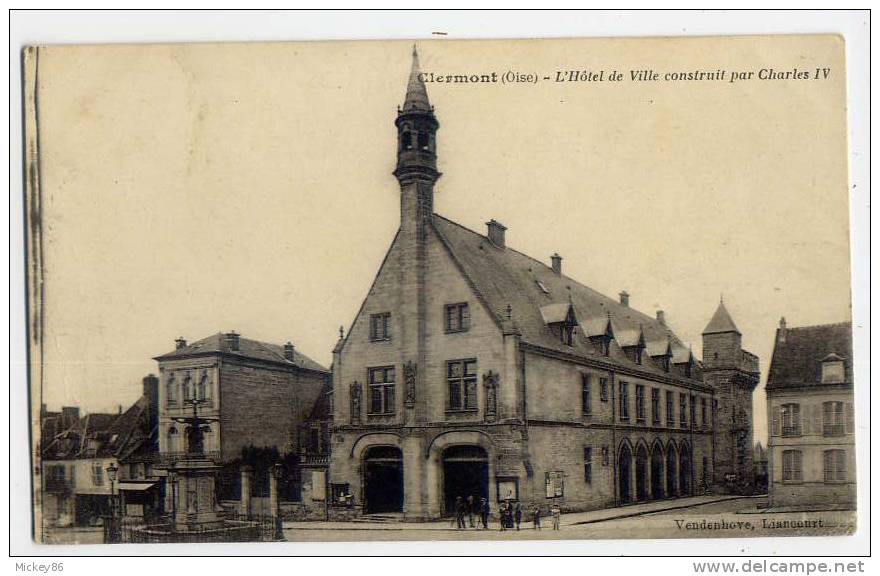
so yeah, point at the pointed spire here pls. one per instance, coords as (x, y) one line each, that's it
(416, 93)
(721, 321)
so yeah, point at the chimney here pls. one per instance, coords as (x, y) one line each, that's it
(557, 264)
(661, 317)
(119, 408)
(232, 341)
(496, 232)
(179, 343)
(288, 351)
(783, 329)
(624, 298)
(151, 391)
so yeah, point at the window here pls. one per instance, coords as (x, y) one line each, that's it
(703, 412)
(423, 140)
(188, 389)
(380, 326)
(461, 377)
(458, 317)
(693, 410)
(832, 372)
(172, 390)
(406, 141)
(640, 403)
(566, 333)
(682, 409)
(586, 401)
(382, 390)
(637, 354)
(791, 420)
(604, 455)
(832, 419)
(339, 493)
(603, 389)
(835, 465)
(624, 401)
(204, 390)
(791, 466)
(655, 406)
(588, 464)
(664, 363)
(670, 409)
(97, 474)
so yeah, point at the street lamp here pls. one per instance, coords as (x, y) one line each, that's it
(111, 474)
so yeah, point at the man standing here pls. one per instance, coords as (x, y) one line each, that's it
(484, 512)
(556, 513)
(459, 512)
(471, 504)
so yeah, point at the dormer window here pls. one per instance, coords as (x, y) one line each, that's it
(832, 370)
(561, 320)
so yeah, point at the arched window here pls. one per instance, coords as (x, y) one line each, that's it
(424, 141)
(204, 388)
(406, 141)
(171, 389)
(188, 389)
(173, 440)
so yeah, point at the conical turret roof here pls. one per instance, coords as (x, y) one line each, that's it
(416, 93)
(721, 322)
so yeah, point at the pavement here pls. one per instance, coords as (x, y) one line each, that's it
(570, 519)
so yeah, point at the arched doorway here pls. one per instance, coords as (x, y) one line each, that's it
(641, 473)
(465, 473)
(684, 476)
(624, 470)
(671, 468)
(383, 480)
(657, 472)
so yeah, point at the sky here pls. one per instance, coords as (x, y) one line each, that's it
(194, 189)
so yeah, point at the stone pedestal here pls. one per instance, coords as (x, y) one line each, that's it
(194, 499)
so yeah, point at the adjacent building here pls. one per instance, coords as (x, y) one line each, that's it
(812, 459)
(253, 396)
(473, 369)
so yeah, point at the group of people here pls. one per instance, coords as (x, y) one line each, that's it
(510, 514)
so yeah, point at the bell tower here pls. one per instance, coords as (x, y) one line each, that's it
(416, 151)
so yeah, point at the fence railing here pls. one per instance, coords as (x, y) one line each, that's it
(167, 458)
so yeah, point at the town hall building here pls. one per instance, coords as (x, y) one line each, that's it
(473, 369)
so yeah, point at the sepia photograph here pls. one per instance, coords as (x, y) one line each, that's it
(440, 290)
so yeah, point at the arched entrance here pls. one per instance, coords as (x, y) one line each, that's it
(671, 467)
(465, 473)
(641, 473)
(624, 470)
(684, 475)
(657, 472)
(383, 480)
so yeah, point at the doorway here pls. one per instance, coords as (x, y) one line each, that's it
(657, 472)
(383, 480)
(465, 473)
(671, 465)
(641, 473)
(624, 470)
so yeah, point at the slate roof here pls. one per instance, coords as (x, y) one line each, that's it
(721, 322)
(247, 348)
(797, 359)
(416, 94)
(503, 276)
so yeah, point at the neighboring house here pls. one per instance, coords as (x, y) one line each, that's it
(472, 369)
(812, 459)
(254, 395)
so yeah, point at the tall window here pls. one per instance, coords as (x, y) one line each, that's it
(458, 317)
(97, 473)
(586, 400)
(640, 403)
(670, 409)
(624, 401)
(792, 465)
(381, 390)
(380, 326)
(588, 464)
(834, 465)
(603, 389)
(693, 406)
(655, 406)
(171, 396)
(189, 389)
(682, 410)
(791, 419)
(461, 378)
(832, 419)
(204, 389)
(703, 412)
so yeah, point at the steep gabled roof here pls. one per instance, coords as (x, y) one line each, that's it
(416, 94)
(502, 276)
(721, 322)
(799, 352)
(247, 348)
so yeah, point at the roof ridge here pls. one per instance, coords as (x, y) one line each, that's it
(813, 326)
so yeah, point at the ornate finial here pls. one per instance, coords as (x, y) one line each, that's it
(722, 297)
(509, 311)
(341, 332)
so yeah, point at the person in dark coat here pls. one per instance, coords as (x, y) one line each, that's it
(484, 512)
(459, 512)
(517, 514)
(502, 515)
(471, 509)
(536, 519)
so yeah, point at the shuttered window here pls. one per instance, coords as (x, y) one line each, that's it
(834, 465)
(792, 462)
